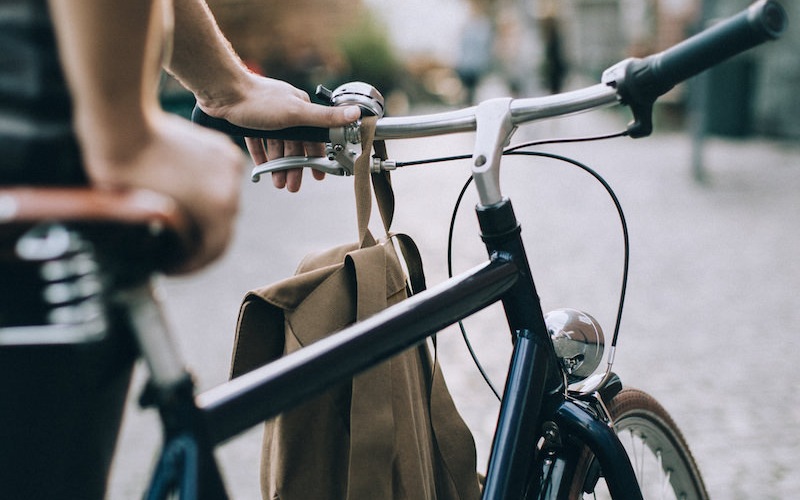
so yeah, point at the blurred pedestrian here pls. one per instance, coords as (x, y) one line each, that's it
(475, 50)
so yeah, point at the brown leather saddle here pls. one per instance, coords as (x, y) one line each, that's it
(140, 228)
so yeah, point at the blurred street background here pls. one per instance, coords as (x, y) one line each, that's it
(712, 317)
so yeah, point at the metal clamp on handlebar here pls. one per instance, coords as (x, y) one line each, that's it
(623, 77)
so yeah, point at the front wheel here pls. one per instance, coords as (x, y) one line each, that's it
(660, 456)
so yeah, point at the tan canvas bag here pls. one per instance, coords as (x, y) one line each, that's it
(393, 432)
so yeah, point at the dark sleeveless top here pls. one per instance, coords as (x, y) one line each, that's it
(37, 143)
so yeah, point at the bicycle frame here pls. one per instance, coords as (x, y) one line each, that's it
(534, 392)
(536, 407)
(540, 425)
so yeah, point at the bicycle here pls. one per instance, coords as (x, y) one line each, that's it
(560, 425)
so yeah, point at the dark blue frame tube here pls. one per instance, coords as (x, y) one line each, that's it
(248, 400)
(534, 376)
(534, 387)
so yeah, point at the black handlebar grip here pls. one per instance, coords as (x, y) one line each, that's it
(307, 134)
(642, 81)
(762, 21)
(656, 74)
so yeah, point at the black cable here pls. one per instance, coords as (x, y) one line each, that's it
(623, 224)
(433, 160)
(568, 140)
(515, 150)
(464, 335)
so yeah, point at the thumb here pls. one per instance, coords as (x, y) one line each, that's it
(349, 114)
(332, 116)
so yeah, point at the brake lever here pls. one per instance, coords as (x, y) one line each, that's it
(339, 159)
(291, 162)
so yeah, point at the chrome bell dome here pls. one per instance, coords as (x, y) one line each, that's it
(578, 341)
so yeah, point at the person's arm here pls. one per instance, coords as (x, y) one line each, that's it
(111, 52)
(202, 59)
(110, 55)
(204, 62)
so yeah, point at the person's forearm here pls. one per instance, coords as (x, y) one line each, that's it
(110, 54)
(202, 58)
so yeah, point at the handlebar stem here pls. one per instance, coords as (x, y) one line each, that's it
(494, 129)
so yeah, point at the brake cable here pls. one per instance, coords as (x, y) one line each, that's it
(519, 150)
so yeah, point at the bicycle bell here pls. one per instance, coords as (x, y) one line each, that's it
(578, 341)
(360, 94)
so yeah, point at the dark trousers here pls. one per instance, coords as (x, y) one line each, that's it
(60, 414)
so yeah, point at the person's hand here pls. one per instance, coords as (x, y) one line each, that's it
(268, 104)
(200, 169)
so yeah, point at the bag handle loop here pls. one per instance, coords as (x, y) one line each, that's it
(365, 182)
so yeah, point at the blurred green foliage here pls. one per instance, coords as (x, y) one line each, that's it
(369, 56)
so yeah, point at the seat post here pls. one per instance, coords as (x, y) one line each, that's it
(149, 326)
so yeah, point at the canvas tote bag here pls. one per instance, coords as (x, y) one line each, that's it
(392, 432)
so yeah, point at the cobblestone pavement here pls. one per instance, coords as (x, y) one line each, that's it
(712, 317)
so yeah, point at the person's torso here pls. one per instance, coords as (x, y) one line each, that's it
(37, 143)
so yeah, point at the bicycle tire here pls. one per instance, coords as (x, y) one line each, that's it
(653, 443)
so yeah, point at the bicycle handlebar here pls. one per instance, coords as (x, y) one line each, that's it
(636, 83)
(640, 82)
(763, 21)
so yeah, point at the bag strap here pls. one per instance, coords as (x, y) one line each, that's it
(382, 185)
(365, 182)
(413, 260)
(384, 194)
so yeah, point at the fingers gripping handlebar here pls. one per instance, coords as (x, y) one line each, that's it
(339, 156)
(639, 82)
(308, 134)
(359, 94)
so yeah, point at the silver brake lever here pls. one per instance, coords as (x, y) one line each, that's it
(322, 164)
(339, 159)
